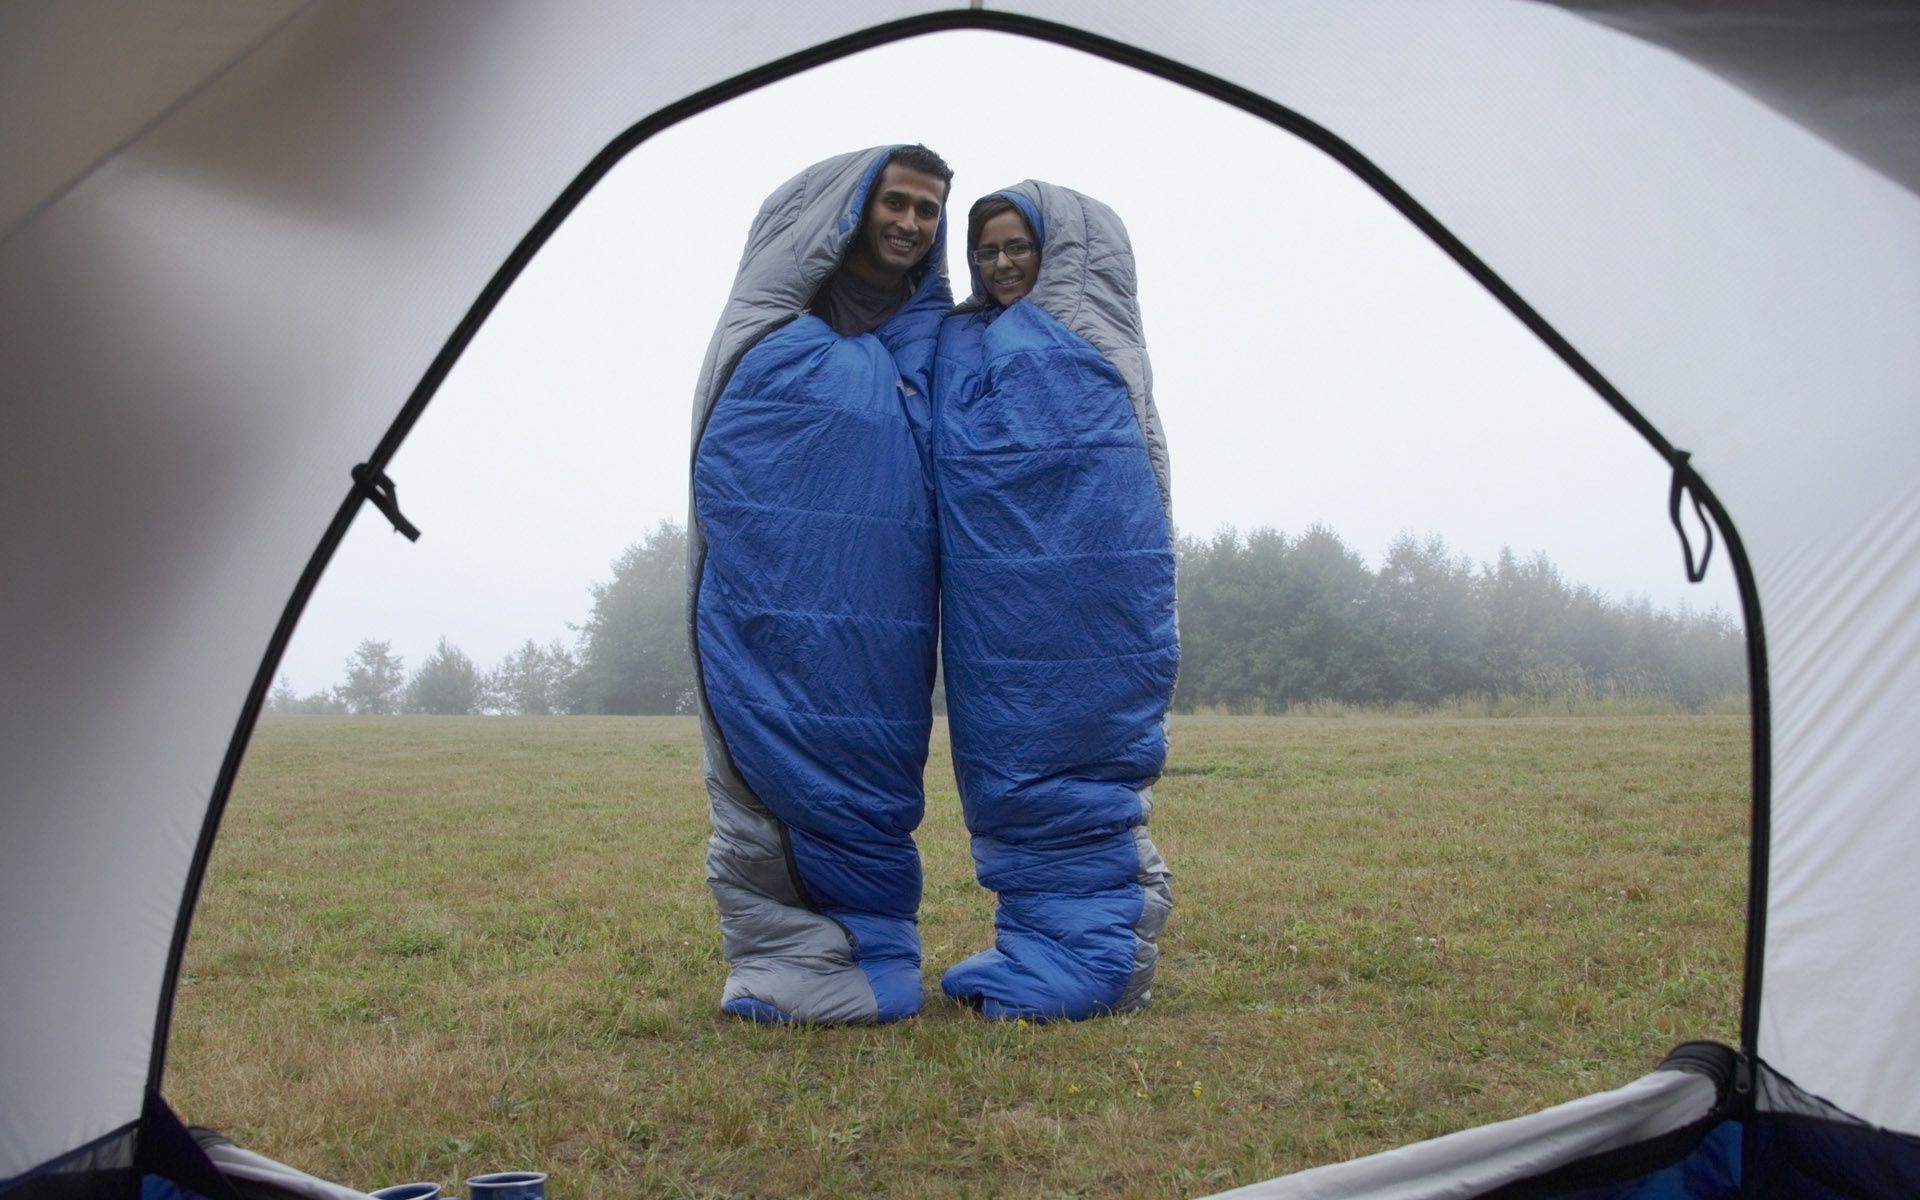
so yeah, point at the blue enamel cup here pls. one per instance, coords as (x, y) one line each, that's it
(508, 1185)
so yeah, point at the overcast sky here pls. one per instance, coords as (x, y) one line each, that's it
(1315, 358)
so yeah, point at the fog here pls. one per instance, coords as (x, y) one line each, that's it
(1316, 359)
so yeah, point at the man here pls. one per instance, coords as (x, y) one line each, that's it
(813, 590)
(902, 216)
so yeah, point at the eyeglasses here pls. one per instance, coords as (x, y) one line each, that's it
(1015, 252)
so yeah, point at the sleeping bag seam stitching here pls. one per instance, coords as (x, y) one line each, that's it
(804, 712)
(716, 502)
(1027, 558)
(822, 614)
(963, 658)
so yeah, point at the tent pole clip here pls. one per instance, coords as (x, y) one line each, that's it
(375, 486)
(1687, 483)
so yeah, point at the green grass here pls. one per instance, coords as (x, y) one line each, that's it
(431, 947)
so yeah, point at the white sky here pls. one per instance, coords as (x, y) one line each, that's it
(1315, 358)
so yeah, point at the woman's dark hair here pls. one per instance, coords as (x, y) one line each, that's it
(985, 209)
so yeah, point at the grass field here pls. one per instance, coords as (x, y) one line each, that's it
(431, 947)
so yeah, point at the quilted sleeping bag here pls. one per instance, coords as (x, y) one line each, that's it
(1057, 611)
(813, 608)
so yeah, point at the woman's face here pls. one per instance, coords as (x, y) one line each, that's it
(1006, 277)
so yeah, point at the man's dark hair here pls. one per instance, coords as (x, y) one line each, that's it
(918, 158)
(985, 209)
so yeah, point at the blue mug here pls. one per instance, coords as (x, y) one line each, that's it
(508, 1185)
(408, 1191)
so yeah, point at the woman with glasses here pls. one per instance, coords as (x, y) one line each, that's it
(1056, 604)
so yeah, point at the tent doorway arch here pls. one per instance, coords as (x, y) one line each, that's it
(378, 460)
(366, 487)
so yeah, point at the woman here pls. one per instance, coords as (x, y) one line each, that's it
(1057, 604)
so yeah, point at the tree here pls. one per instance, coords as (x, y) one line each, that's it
(375, 677)
(633, 647)
(284, 701)
(1526, 603)
(1327, 614)
(1230, 632)
(447, 683)
(533, 681)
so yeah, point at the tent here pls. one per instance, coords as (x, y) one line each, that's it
(239, 250)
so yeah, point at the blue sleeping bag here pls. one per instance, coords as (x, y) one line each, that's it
(1057, 595)
(814, 622)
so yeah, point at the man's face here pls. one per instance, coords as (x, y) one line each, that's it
(902, 215)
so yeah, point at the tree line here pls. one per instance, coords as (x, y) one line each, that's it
(629, 656)
(1267, 621)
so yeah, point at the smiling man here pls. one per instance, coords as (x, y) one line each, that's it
(902, 215)
(814, 588)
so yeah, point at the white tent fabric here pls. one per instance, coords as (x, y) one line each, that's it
(134, 64)
(1476, 1161)
(258, 1172)
(222, 275)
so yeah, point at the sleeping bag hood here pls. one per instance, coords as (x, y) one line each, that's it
(1088, 283)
